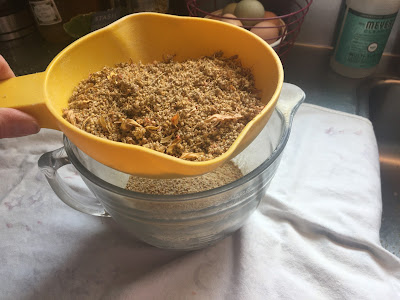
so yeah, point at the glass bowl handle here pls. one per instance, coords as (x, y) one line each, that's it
(289, 101)
(49, 163)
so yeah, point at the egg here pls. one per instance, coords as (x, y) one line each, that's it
(270, 35)
(214, 15)
(232, 20)
(270, 14)
(229, 8)
(249, 9)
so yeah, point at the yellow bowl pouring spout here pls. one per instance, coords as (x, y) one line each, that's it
(144, 37)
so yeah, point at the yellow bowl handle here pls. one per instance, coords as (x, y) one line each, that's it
(26, 93)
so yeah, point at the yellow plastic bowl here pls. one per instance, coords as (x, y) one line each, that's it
(143, 37)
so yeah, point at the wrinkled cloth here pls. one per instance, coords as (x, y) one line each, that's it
(315, 234)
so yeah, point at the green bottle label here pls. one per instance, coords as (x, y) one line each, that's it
(362, 39)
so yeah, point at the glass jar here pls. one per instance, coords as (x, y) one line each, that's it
(133, 6)
(62, 21)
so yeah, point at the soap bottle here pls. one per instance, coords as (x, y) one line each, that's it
(363, 31)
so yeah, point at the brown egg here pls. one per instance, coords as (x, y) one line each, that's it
(266, 30)
(270, 14)
(233, 20)
(214, 15)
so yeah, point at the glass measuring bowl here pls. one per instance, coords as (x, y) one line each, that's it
(187, 221)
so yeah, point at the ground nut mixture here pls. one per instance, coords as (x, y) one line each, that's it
(225, 174)
(193, 109)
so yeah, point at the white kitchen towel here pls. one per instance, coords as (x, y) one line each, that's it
(314, 236)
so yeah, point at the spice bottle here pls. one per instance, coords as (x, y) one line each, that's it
(364, 29)
(62, 21)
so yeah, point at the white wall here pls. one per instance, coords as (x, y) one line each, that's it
(319, 26)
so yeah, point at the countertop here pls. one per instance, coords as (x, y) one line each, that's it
(308, 67)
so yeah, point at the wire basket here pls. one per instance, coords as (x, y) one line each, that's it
(290, 17)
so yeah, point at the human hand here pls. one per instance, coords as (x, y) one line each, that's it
(14, 123)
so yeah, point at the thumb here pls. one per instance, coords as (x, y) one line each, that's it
(15, 123)
(5, 71)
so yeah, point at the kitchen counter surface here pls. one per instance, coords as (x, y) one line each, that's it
(308, 67)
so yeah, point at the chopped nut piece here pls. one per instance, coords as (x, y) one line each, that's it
(191, 156)
(104, 123)
(218, 118)
(166, 139)
(127, 124)
(69, 115)
(171, 147)
(175, 120)
(152, 128)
